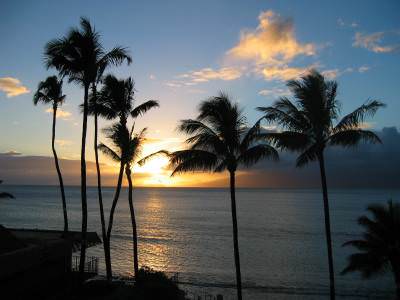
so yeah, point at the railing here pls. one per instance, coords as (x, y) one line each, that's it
(91, 264)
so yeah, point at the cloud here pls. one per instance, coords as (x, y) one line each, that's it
(204, 75)
(373, 42)
(274, 92)
(367, 166)
(283, 73)
(363, 69)
(342, 23)
(63, 143)
(273, 42)
(334, 73)
(12, 87)
(62, 114)
(11, 153)
(152, 76)
(208, 74)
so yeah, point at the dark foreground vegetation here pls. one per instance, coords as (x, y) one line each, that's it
(150, 285)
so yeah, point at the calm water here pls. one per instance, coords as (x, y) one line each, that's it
(282, 241)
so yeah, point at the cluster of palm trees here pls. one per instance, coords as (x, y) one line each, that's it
(220, 138)
(80, 57)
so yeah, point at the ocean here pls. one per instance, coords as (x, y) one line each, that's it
(189, 231)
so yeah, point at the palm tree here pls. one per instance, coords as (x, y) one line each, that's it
(5, 194)
(50, 92)
(220, 140)
(116, 100)
(309, 128)
(380, 245)
(81, 57)
(115, 56)
(129, 147)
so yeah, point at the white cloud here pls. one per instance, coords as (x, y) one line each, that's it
(363, 69)
(274, 92)
(207, 74)
(63, 143)
(272, 42)
(373, 42)
(12, 87)
(62, 114)
(342, 23)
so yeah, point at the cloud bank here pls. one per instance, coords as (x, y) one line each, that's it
(368, 166)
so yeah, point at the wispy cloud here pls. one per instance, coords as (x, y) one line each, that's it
(374, 42)
(63, 143)
(333, 73)
(12, 87)
(11, 153)
(204, 75)
(62, 114)
(342, 23)
(274, 92)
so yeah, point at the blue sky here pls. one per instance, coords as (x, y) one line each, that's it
(185, 51)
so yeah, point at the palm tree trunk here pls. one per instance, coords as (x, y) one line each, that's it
(133, 220)
(100, 196)
(83, 184)
(395, 262)
(53, 137)
(235, 236)
(111, 218)
(327, 224)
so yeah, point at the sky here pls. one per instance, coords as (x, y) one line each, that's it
(184, 52)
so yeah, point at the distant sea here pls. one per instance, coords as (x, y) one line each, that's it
(281, 236)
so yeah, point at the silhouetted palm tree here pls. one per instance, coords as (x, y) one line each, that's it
(78, 56)
(116, 100)
(115, 56)
(50, 92)
(5, 194)
(309, 124)
(220, 140)
(129, 147)
(380, 245)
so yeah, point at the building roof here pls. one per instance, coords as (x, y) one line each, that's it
(43, 236)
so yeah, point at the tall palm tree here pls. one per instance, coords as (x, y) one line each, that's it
(5, 194)
(220, 140)
(116, 100)
(309, 127)
(115, 56)
(129, 147)
(81, 57)
(380, 245)
(50, 92)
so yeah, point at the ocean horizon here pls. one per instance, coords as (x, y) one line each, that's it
(188, 231)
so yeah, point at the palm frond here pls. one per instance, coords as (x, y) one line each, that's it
(4, 195)
(354, 119)
(192, 160)
(143, 108)
(309, 155)
(256, 153)
(109, 152)
(352, 137)
(145, 159)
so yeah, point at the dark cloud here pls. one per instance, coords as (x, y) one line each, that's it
(375, 166)
(370, 166)
(10, 153)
